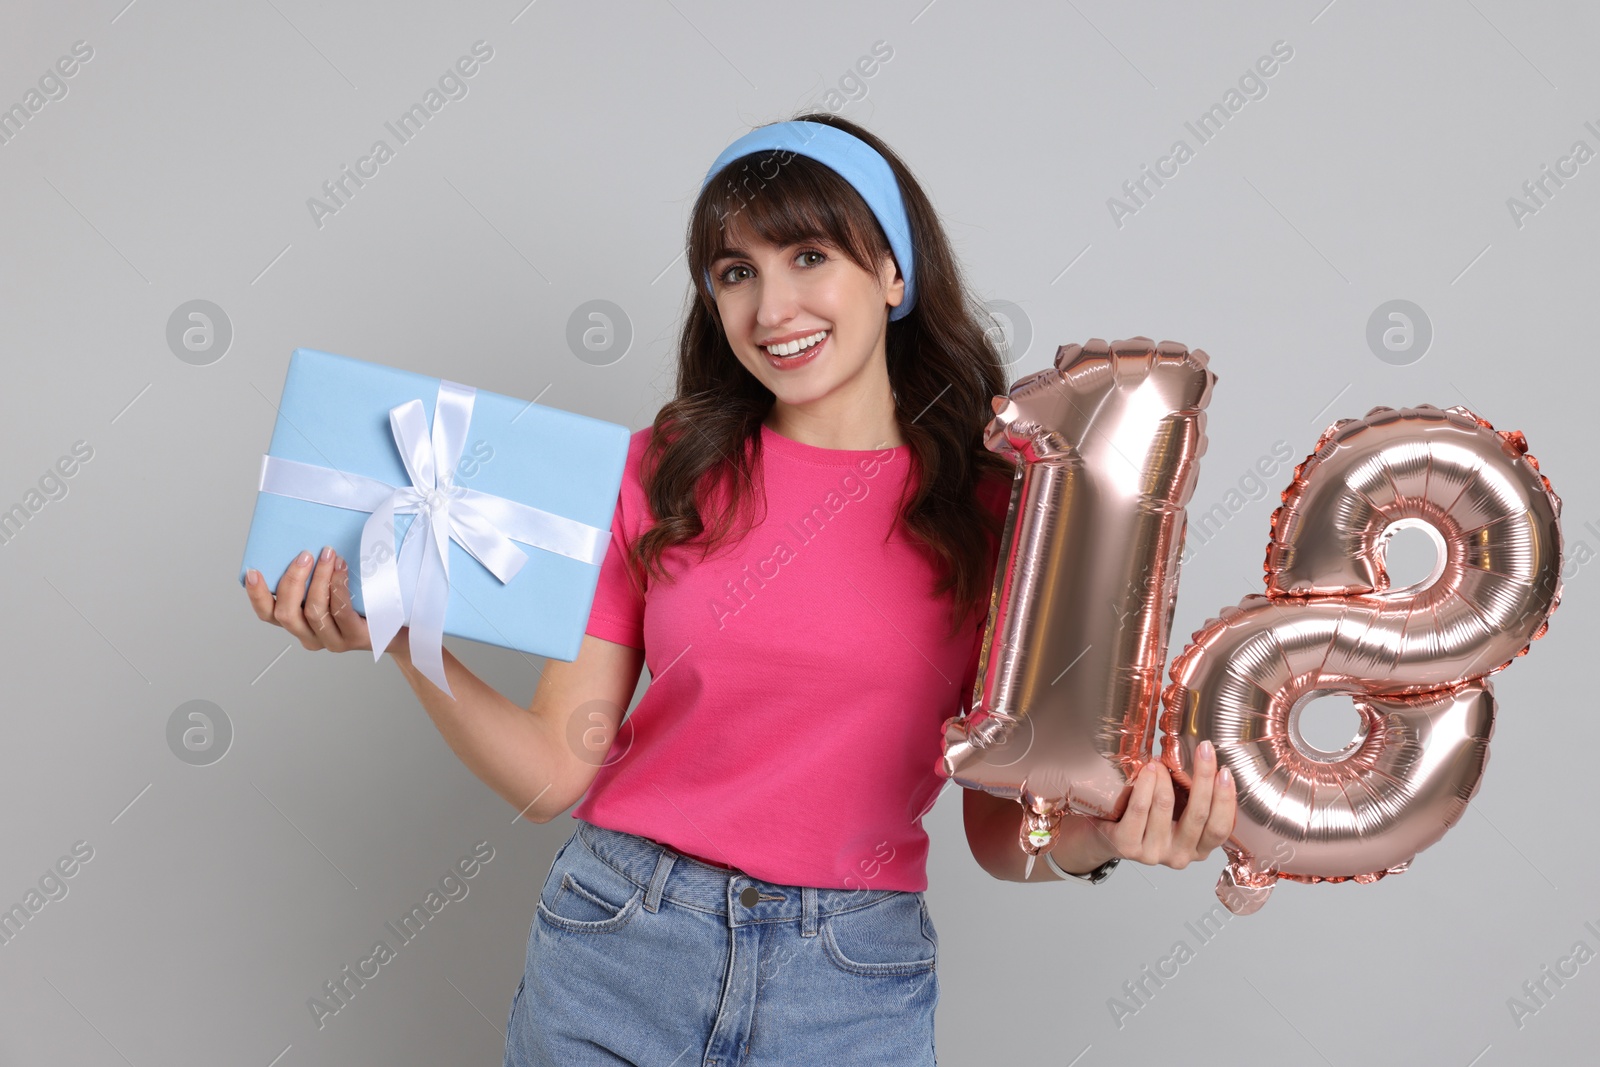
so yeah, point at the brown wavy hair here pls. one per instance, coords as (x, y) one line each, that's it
(942, 365)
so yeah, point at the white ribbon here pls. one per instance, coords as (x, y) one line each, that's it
(414, 587)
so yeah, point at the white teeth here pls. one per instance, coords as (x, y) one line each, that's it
(791, 347)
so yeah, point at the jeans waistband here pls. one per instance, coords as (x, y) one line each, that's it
(664, 873)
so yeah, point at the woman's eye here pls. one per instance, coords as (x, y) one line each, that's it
(727, 280)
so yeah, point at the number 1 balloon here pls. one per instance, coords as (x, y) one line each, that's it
(1107, 444)
(1415, 660)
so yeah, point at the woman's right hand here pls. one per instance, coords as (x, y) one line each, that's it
(325, 618)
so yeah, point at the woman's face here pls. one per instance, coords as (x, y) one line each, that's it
(769, 296)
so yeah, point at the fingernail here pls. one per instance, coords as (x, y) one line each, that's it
(339, 564)
(1205, 750)
(1227, 776)
(327, 553)
(251, 577)
(302, 559)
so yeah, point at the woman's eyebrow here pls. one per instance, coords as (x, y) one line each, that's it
(739, 253)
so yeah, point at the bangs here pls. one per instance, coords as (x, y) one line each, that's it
(784, 202)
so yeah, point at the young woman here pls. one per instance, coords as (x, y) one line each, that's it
(802, 551)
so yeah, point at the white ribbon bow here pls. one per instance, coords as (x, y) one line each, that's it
(414, 587)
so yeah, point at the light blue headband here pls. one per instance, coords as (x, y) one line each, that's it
(853, 160)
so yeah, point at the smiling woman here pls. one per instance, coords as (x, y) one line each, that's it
(774, 764)
(840, 336)
(786, 247)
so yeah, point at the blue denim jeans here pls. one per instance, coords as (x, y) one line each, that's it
(641, 955)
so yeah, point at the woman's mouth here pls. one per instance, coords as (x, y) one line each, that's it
(801, 355)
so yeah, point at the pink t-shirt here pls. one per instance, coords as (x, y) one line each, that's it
(798, 679)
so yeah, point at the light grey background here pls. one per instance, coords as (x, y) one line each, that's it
(178, 166)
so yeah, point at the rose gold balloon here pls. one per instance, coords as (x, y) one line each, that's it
(1069, 676)
(1413, 659)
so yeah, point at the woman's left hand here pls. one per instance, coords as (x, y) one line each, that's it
(1148, 833)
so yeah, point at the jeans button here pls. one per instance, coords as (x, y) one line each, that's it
(749, 896)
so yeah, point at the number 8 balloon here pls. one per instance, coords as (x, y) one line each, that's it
(1415, 659)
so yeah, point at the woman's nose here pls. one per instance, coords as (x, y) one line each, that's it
(776, 299)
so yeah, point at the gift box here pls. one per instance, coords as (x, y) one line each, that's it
(458, 510)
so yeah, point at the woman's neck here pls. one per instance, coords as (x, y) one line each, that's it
(858, 426)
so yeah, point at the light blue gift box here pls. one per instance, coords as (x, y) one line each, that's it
(335, 414)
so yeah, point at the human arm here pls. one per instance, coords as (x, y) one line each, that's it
(527, 755)
(1147, 832)
(523, 754)
(992, 825)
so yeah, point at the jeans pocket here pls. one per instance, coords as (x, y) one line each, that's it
(888, 937)
(591, 897)
(562, 851)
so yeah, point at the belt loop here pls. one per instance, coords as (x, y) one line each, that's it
(652, 899)
(808, 911)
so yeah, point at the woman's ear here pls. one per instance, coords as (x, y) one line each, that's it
(894, 286)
